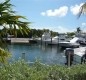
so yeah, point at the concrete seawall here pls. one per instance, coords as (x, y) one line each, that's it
(19, 40)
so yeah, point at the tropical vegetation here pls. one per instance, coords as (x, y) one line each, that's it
(9, 20)
(82, 9)
(21, 70)
(32, 33)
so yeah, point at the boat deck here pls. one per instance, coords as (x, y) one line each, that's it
(80, 51)
(78, 54)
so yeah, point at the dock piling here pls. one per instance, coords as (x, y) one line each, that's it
(23, 56)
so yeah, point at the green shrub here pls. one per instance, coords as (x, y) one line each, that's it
(20, 70)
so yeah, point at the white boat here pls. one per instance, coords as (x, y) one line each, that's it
(76, 55)
(72, 43)
(79, 54)
(55, 40)
(46, 36)
(82, 37)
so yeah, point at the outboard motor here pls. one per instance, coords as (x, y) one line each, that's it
(69, 53)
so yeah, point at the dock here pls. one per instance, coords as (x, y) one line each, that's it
(19, 40)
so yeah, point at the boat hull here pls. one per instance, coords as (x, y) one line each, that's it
(68, 45)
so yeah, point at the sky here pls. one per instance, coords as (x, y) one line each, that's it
(57, 15)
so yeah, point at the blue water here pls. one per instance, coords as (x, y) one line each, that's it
(47, 55)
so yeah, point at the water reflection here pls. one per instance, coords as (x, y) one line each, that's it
(47, 54)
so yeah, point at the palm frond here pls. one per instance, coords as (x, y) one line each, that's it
(82, 10)
(8, 17)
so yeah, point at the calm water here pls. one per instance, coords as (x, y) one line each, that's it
(47, 55)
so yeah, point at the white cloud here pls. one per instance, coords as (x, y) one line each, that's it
(62, 11)
(75, 9)
(43, 13)
(83, 24)
(83, 27)
(59, 29)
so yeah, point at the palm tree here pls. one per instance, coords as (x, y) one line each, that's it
(82, 9)
(12, 22)
(4, 54)
(5, 8)
(78, 29)
(8, 19)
